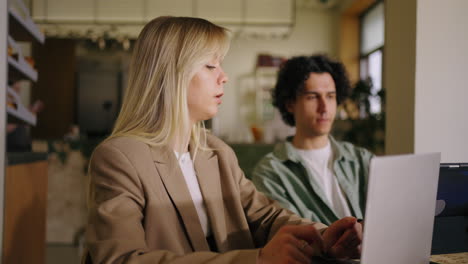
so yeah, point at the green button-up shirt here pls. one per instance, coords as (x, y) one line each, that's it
(283, 176)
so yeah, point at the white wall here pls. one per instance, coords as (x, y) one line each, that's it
(314, 31)
(441, 110)
(426, 59)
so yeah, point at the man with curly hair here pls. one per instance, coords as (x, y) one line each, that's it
(311, 173)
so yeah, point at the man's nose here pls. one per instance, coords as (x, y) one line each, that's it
(322, 107)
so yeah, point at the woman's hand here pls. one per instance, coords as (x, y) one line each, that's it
(343, 238)
(292, 244)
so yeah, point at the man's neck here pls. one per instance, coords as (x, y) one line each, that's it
(316, 142)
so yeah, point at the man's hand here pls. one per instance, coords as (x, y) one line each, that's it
(292, 244)
(343, 238)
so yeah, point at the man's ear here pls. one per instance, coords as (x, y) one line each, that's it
(290, 106)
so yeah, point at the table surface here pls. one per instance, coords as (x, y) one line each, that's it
(456, 258)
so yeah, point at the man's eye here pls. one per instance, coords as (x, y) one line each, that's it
(311, 97)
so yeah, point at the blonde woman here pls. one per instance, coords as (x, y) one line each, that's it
(163, 190)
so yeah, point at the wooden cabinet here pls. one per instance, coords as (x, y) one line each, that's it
(25, 213)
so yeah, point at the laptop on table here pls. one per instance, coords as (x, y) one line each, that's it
(451, 223)
(400, 210)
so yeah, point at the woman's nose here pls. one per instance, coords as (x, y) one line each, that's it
(223, 77)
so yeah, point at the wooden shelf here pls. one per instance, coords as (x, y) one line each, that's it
(23, 67)
(21, 114)
(26, 23)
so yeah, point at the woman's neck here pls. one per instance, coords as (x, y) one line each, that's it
(181, 143)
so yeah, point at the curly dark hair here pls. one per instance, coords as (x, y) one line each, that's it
(293, 74)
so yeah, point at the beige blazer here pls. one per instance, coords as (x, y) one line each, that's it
(141, 210)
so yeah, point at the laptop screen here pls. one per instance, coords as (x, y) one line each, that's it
(400, 209)
(452, 194)
(450, 233)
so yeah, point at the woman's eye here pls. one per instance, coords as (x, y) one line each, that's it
(210, 67)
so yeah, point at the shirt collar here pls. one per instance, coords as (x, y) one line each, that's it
(285, 151)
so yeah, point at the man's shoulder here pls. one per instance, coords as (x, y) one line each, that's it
(349, 149)
(280, 153)
(273, 162)
(268, 159)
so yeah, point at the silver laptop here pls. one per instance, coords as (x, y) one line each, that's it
(400, 210)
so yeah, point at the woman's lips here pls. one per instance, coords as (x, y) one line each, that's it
(218, 98)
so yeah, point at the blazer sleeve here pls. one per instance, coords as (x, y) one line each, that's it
(116, 202)
(265, 216)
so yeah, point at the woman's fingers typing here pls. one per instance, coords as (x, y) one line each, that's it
(343, 238)
(292, 244)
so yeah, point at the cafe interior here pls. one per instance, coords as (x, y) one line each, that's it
(64, 69)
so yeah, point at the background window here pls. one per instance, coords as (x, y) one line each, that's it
(371, 49)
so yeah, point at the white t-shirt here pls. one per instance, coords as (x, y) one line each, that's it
(186, 165)
(319, 162)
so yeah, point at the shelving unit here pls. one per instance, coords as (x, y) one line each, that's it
(256, 107)
(21, 113)
(23, 182)
(22, 67)
(21, 26)
(3, 88)
(24, 21)
(265, 78)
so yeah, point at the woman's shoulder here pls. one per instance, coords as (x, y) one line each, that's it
(127, 145)
(215, 143)
(123, 142)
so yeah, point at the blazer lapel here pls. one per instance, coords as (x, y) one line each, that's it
(207, 169)
(174, 182)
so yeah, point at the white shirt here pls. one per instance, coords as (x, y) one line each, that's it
(186, 165)
(319, 161)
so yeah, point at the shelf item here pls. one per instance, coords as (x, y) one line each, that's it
(26, 21)
(267, 70)
(21, 64)
(17, 111)
(255, 92)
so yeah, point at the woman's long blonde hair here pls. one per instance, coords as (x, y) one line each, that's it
(167, 54)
